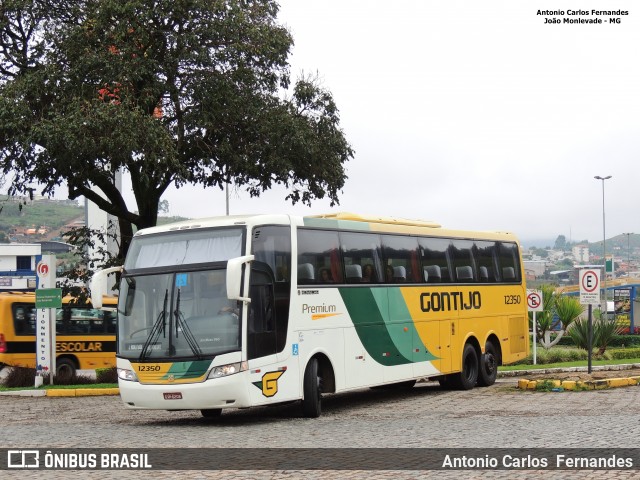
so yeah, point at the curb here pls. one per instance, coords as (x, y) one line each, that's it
(72, 392)
(559, 386)
(573, 385)
(597, 368)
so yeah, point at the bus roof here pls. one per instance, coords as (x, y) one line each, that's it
(340, 220)
(374, 219)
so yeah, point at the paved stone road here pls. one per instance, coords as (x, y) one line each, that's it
(425, 416)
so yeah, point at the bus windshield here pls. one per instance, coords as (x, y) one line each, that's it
(176, 315)
(173, 298)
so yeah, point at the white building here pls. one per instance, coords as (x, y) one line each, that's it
(580, 253)
(18, 266)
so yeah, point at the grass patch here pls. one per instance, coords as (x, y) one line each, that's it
(580, 363)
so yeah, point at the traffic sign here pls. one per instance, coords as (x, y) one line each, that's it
(49, 298)
(589, 287)
(534, 301)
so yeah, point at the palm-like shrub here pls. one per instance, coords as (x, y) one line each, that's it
(563, 307)
(603, 331)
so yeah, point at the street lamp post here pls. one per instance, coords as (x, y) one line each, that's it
(604, 245)
(628, 252)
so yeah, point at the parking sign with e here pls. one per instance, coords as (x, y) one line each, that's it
(589, 287)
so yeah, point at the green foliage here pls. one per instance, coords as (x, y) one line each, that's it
(25, 377)
(555, 355)
(50, 213)
(545, 386)
(604, 331)
(107, 375)
(173, 92)
(566, 309)
(617, 354)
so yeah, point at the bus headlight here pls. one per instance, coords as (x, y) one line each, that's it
(128, 375)
(226, 370)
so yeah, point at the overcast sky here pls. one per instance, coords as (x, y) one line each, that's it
(474, 114)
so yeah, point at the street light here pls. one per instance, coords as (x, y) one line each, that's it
(604, 247)
(628, 252)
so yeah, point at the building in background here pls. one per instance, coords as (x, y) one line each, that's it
(18, 266)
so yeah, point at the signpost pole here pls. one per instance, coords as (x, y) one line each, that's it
(535, 336)
(535, 304)
(590, 340)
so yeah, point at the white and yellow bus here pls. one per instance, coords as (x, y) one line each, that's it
(243, 311)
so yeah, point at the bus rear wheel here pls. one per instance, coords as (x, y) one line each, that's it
(312, 390)
(65, 368)
(488, 366)
(468, 376)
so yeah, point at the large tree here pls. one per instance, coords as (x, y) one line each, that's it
(171, 91)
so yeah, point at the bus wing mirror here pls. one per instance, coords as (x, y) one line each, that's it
(234, 277)
(98, 285)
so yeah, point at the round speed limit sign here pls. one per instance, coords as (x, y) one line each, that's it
(534, 300)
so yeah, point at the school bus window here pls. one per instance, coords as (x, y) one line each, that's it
(24, 319)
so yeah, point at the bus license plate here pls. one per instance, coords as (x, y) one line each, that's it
(172, 396)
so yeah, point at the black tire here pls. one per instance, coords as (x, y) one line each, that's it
(211, 412)
(488, 371)
(468, 376)
(65, 368)
(312, 391)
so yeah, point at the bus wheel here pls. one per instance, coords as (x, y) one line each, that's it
(488, 366)
(467, 378)
(65, 368)
(312, 401)
(211, 412)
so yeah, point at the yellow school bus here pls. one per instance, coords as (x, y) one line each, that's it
(85, 336)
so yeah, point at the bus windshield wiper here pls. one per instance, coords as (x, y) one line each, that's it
(188, 336)
(160, 325)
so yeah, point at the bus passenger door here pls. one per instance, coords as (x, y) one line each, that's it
(447, 330)
(268, 363)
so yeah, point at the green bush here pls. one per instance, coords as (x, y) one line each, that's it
(603, 331)
(622, 353)
(107, 375)
(557, 355)
(25, 377)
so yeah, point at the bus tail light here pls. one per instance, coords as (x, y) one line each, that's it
(3, 344)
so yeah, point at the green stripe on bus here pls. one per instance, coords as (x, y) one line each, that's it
(188, 369)
(368, 312)
(408, 341)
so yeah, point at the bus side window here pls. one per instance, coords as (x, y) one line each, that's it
(508, 260)
(435, 258)
(20, 322)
